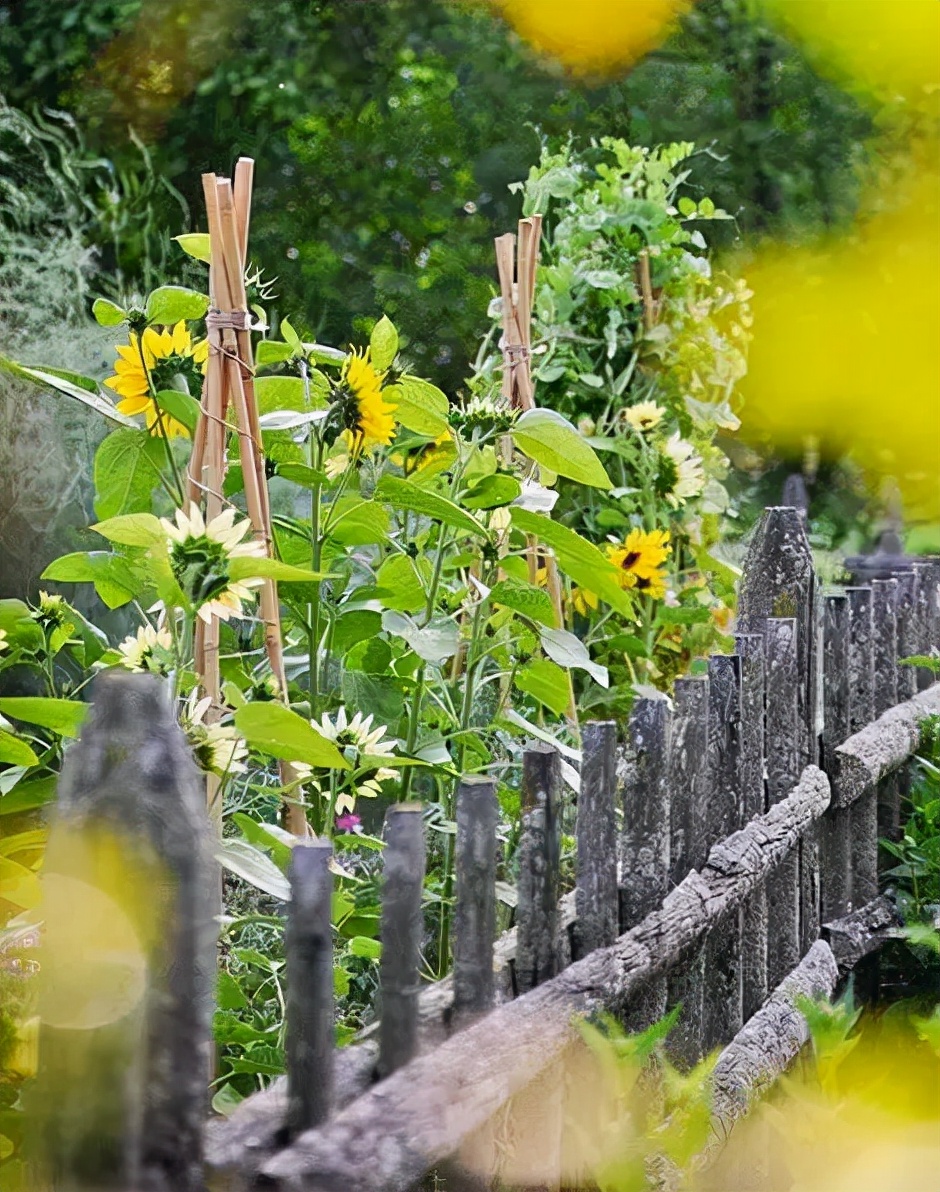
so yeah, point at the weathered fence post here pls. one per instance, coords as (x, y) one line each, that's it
(597, 899)
(128, 958)
(750, 649)
(783, 770)
(837, 823)
(906, 634)
(925, 598)
(862, 712)
(539, 861)
(401, 935)
(308, 944)
(475, 911)
(644, 845)
(690, 796)
(884, 597)
(723, 996)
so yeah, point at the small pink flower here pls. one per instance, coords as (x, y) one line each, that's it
(348, 823)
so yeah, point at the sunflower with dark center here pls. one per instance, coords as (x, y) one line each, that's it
(363, 415)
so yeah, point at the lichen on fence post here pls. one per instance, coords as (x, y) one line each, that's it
(475, 909)
(401, 932)
(836, 834)
(861, 712)
(783, 769)
(597, 899)
(750, 649)
(723, 987)
(689, 799)
(128, 959)
(308, 944)
(539, 862)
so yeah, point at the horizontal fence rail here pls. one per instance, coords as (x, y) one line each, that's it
(727, 859)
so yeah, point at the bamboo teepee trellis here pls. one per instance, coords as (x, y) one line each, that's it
(229, 405)
(517, 260)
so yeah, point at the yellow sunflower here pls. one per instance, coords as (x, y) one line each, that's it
(153, 362)
(367, 416)
(639, 558)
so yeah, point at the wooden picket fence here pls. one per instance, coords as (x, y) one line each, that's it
(727, 859)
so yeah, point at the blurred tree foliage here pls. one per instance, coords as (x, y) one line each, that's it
(386, 135)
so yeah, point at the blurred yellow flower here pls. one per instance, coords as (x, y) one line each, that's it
(151, 363)
(644, 416)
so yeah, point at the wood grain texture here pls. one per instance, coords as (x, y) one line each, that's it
(861, 932)
(836, 826)
(596, 896)
(475, 910)
(539, 860)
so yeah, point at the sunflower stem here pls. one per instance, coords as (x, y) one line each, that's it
(315, 456)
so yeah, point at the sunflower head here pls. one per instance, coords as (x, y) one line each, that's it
(364, 416)
(151, 650)
(200, 555)
(644, 416)
(639, 558)
(154, 361)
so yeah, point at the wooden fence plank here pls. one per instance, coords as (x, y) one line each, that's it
(597, 898)
(783, 888)
(884, 596)
(723, 1012)
(861, 713)
(750, 649)
(907, 633)
(539, 861)
(429, 1108)
(399, 968)
(836, 826)
(922, 619)
(129, 952)
(308, 944)
(475, 910)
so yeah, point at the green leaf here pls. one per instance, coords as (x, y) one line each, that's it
(546, 681)
(126, 471)
(420, 406)
(352, 627)
(383, 344)
(272, 351)
(179, 405)
(19, 626)
(173, 304)
(131, 529)
(229, 995)
(254, 866)
(303, 475)
(195, 244)
(686, 206)
(28, 795)
(688, 615)
(551, 440)
(360, 523)
(492, 492)
(15, 752)
(19, 885)
(526, 599)
(265, 837)
(226, 1100)
(377, 694)
(287, 393)
(273, 729)
(250, 567)
(570, 652)
(291, 336)
(432, 643)
(368, 949)
(400, 584)
(340, 981)
(579, 559)
(112, 575)
(402, 494)
(64, 717)
(65, 384)
(107, 314)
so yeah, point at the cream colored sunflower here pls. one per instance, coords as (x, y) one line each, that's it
(690, 477)
(358, 741)
(217, 748)
(644, 416)
(152, 362)
(150, 650)
(200, 556)
(4, 643)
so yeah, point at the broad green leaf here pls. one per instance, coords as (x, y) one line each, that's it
(273, 729)
(360, 523)
(181, 406)
(18, 885)
(546, 681)
(229, 995)
(226, 1100)
(322, 354)
(367, 948)
(126, 471)
(131, 529)
(287, 393)
(284, 573)
(524, 598)
(272, 351)
(254, 866)
(356, 626)
(107, 313)
(433, 642)
(569, 651)
(383, 344)
(64, 717)
(578, 558)
(259, 834)
(195, 244)
(19, 626)
(419, 406)
(51, 379)
(114, 580)
(291, 336)
(379, 695)
(492, 492)
(400, 584)
(402, 494)
(551, 440)
(15, 752)
(303, 475)
(687, 615)
(173, 304)
(28, 795)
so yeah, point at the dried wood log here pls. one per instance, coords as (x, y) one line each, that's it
(430, 1107)
(863, 931)
(880, 747)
